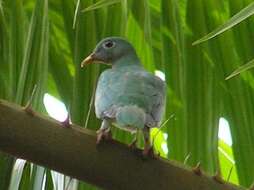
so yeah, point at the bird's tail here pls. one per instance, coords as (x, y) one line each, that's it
(132, 116)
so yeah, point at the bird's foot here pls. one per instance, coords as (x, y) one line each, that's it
(149, 152)
(108, 135)
(103, 134)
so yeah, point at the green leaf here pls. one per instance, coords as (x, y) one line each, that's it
(227, 162)
(6, 166)
(17, 174)
(34, 67)
(25, 180)
(37, 177)
(241, 69)
(16, 44)
(59, 67)
(236, 19)
(159, 142)
(49, 181)
(101, 4)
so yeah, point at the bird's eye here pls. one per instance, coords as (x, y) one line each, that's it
(108, 44)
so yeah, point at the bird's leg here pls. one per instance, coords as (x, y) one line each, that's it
(104, 132)
(134, 141)
(108, 134)
(148, 149)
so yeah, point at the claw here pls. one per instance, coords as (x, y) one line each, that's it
(108, 134)
(217, 177)
(148, 149)
(149, 152)
(197, 169)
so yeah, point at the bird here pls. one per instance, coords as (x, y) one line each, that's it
(127, 96)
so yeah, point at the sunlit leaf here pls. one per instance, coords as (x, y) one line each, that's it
(236, 19)
(76, 13)
(101, 4)
(241, 69)
(37, 177)
(17, 174)
(227, 162)
(49, 181)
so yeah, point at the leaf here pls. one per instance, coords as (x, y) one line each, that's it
(241, 69)
(159, 142)
(49, 181)
(6, 165)
(236, 19)
(58, 68)
(17, 174)
(37, 177)
(75, 14)
(101, 4)
(227, 162)
(25, 179)
(16, 44)
(34, 67)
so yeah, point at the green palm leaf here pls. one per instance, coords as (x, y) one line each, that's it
(101, 4)
(241, 69)
(236, 19)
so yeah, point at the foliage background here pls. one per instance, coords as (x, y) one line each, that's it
(43, 42)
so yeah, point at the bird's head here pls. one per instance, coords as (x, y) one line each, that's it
(109, 51)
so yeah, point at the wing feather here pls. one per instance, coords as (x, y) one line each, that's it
(131, 87)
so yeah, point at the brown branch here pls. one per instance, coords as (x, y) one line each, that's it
(73, 151)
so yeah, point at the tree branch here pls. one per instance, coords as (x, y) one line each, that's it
(73, 151)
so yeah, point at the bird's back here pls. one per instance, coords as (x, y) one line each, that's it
(130, 86)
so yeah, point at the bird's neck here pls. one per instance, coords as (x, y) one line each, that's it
(126, 61)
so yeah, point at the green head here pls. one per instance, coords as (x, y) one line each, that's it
(110, 50)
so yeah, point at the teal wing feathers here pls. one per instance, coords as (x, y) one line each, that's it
(130, 86)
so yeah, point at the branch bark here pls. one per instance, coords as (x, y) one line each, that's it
(73, 151)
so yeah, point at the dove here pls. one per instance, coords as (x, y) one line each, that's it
(127, 96)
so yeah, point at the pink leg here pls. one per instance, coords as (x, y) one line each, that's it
(148, 149)
(104, 132)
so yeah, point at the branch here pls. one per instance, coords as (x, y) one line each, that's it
(73, 151)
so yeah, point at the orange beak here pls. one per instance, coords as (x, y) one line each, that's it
(88, 60)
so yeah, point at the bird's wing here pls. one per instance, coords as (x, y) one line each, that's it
(147, 91)
(104, 97)
(155, 90)
(138, 87)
